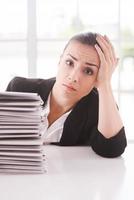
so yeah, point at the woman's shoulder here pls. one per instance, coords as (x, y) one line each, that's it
(93, 95)
(22, 84)
(92, 101)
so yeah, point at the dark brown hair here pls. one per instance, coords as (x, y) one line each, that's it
(87, 38)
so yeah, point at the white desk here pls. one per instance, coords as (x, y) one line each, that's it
(74, 173)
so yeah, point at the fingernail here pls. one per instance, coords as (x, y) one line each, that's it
(98, 37)
(106, 37)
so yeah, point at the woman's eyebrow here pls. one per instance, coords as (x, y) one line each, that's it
(87, 63)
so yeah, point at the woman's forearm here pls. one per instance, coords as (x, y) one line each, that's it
(109, 122)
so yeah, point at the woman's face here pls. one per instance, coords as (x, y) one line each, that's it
(77, 72)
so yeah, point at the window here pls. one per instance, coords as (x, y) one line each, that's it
(33, 34)
(127, 68)
(13, 33)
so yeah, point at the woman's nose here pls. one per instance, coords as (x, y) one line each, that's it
(72, 79)
(73, 76)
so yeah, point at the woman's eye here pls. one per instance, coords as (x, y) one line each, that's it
(88, 71)
(69, 62)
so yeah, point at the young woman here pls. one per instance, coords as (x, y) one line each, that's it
(79, 107)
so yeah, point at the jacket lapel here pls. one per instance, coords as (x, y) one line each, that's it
(74, 125)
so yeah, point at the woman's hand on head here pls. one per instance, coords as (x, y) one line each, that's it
(108, 61)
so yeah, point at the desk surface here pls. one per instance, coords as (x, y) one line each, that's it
(74, 173)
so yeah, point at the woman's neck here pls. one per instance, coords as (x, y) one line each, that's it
(60, 103)
(57, 108)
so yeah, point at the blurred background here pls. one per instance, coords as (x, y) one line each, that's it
(33, 34)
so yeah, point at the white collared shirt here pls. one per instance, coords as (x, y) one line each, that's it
(52, 133)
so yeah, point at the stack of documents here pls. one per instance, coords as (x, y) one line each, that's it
(21, 137)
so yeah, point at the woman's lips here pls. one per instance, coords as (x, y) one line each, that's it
(69, 87)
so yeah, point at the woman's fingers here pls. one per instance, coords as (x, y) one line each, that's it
(107, 49)
(108, 60)
(105, 45)
(101, 55)
(108, 40)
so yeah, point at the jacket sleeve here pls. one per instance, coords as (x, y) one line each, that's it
(108, 147)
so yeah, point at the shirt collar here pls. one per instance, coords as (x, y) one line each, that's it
(47, 107)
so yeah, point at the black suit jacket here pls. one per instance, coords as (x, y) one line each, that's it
(80, 127)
